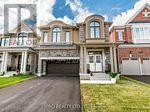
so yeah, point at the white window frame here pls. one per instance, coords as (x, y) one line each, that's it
(4, 40)
(95, 29)
(45, 39)
(142, 36)
(120, 34)
(66, 38)
(58, 37)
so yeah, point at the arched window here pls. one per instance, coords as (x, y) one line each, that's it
(56, 34)
(22, 38)
(95, 29)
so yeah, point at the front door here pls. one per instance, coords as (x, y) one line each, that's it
(95, 61)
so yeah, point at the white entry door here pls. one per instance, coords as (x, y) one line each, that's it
(95, 61)
(98, 62)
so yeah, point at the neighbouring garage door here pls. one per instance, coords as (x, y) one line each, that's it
(146, 66)
(62, 68)
(130, 66)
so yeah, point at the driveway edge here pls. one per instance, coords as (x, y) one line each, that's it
(13, 83)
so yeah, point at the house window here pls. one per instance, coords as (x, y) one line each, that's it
(91, 59)
(56, 34)
(95, 29)
(5, 41)
(141, 32)
(67, 35)
(45, 37)
(22, 39)
(120, 35)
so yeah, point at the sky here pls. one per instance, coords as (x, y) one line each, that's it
(74, 11)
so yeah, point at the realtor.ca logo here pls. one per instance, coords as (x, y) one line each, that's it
(25, 31)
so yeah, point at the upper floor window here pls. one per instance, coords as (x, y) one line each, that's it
(56, 34)
(22, 38)
(141, 34)
(120, 35)
(67, 35)
(45, 37)
(5, 41)
(95, 29)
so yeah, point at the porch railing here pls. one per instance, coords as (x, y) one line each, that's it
(14, 42)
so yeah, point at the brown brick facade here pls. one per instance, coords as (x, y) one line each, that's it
(135, 51)
(141, 17)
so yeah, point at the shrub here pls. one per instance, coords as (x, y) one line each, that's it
(113, 74)
(88, 71)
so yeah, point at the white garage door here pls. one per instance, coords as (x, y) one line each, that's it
(146, 66)
(130, 66)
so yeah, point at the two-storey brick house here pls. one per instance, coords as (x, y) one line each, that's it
(62, 49)
(134, 39)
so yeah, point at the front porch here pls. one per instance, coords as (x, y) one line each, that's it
(98, 58)
(17, 61)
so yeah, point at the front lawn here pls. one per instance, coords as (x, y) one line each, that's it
(125, 96)
(6, 81)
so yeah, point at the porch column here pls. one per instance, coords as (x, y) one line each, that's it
(35, 63)
(39, 66)
(25, 62)
(4, 62)
(115, 59)
(111, 59)
(81, 59)
(44, 67)
(85, 65)
(22, 62)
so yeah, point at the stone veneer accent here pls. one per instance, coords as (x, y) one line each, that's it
(107, 61)
(60, 53)
(82, 33)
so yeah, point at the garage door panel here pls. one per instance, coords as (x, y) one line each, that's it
(146, 67)
(130, 67)
(62, 69)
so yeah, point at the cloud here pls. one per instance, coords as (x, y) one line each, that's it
(44, 9)
(79, 10)
(122, 18)
(45, 12)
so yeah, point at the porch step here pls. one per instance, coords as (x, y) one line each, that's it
(100, 76)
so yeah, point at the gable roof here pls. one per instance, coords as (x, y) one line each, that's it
(145, 6)
(28, 24)
(125, 17)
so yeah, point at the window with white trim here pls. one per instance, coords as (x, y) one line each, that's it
(5, 41)
(45, 37)
(95, 29)
(67, 35)
(56, 34)
(22, 38)
(141, 34)
(120, 35)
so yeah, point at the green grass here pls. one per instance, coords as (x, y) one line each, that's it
(7, 81)
(125, 96)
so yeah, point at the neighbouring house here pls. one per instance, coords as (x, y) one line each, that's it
(134, 39)
(62, 49)
(17, 49)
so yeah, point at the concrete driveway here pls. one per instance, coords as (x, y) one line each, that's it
(142, 78)
(45, 94)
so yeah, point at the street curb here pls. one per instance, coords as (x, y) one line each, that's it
(136, 81)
